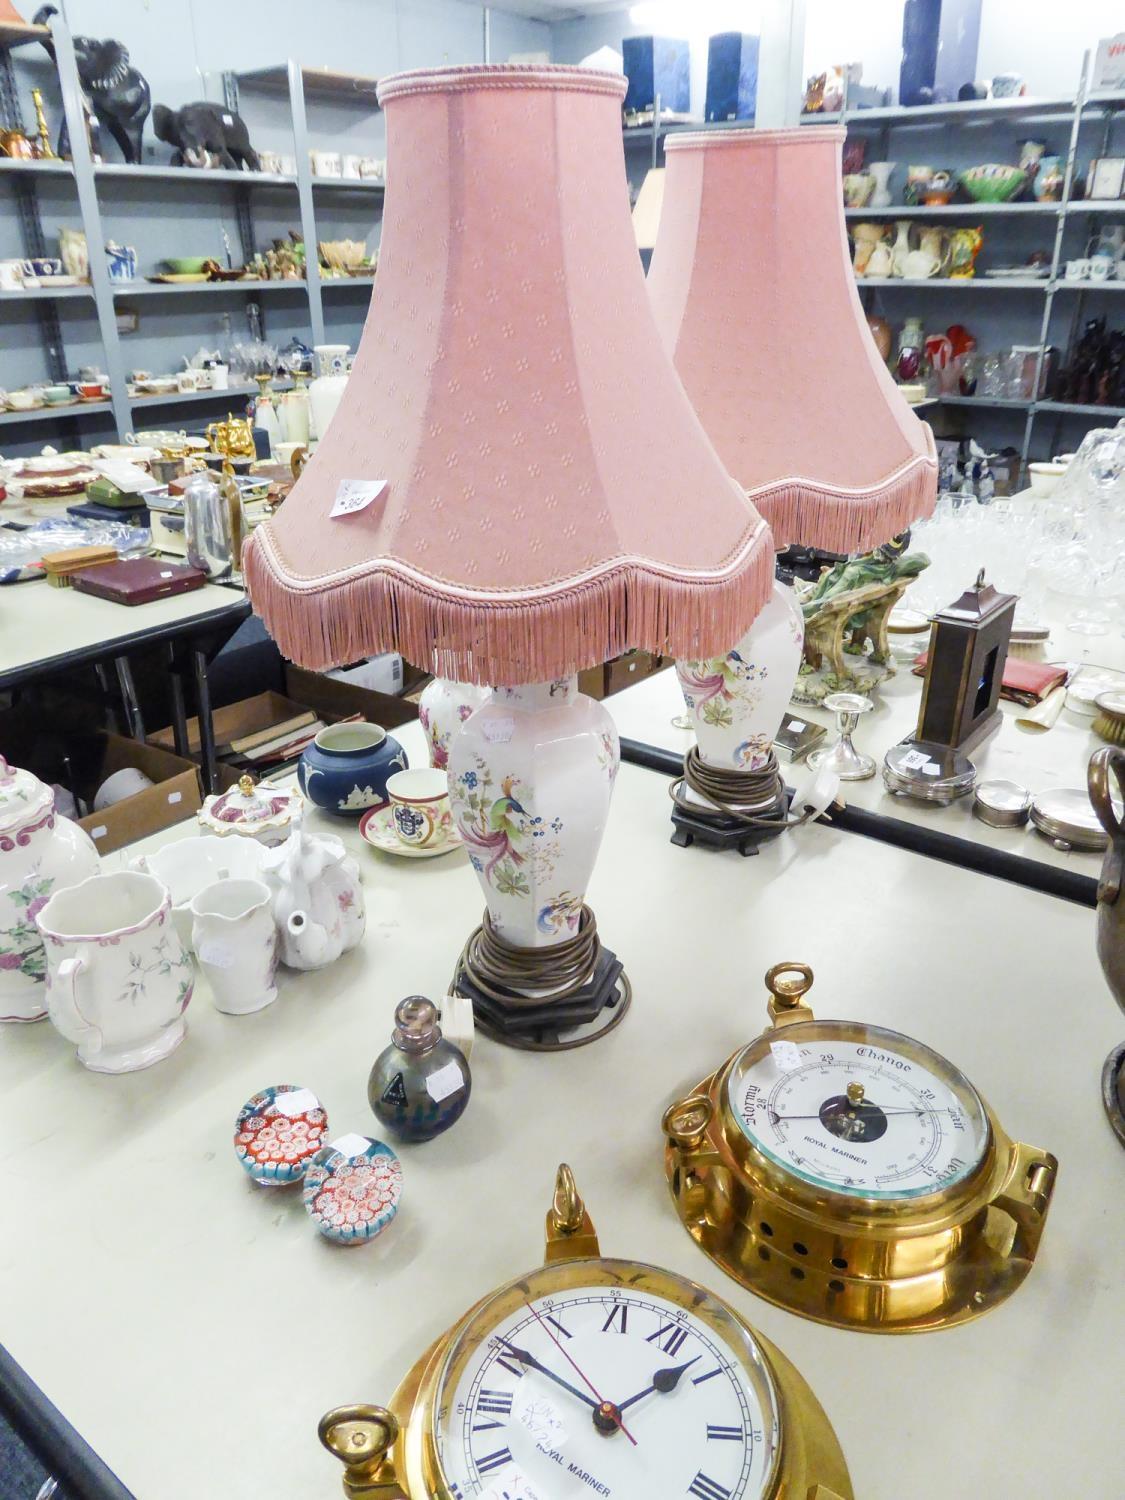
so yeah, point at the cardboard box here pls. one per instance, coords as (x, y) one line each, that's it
(1109, 63)
(326, 696)
(89, 759)
(176, 795)
(382, 674)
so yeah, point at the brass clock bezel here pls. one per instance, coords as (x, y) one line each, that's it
(392, 1453)
(881, 1265)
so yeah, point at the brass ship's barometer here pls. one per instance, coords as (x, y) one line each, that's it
(592, 1377)
(853, 1175)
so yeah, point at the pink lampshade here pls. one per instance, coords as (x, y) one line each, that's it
(755, 298)
(552, 497)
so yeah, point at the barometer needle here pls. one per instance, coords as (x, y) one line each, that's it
(776, 1119)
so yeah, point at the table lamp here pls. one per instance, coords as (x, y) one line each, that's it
(755, 298)
(515, 488)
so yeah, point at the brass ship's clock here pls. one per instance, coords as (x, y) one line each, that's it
(593, 1377)
(853, 1175)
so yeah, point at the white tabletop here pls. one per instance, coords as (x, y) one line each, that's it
(1057, 757)
(194, 1327)
(42, 627)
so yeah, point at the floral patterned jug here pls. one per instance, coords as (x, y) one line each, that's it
(39, 853)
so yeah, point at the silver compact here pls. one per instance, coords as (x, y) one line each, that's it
(1002, 804)
(929, 773)
(1066, 816)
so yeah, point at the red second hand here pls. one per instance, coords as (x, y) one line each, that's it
(581, 1374)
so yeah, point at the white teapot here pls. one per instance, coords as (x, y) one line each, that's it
(39, 854)
(318, 899)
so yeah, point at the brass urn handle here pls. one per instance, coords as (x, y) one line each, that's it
(787, 993)
(361, 1437)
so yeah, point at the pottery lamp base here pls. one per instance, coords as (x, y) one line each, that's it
(1113, 1091)
(511, 1007)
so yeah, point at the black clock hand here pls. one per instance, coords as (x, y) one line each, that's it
(663, 1381)
(528, 1359)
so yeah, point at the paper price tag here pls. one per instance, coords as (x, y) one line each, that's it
(786, 1055)
(499, 731)
(216, 956)
(914, 760)
(296, 1102)
(797, 725)
(444, 1082)
(355, 495)
(931, 769)
(350, 1145)
(514, 1486)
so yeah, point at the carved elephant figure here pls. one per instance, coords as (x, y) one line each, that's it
(201, 132)
(115, 93)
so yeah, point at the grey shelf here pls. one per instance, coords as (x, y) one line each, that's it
(958, 283)
(346, 283)
(1073, 408)
(57, 413)
(348, 185)
(46, 294)
(180, 398)
(951, 210)
(1001, 403)
(1096, 206)
(129, 289)
(320, 83)
(123, 171)
(16, 167)
(962, 112)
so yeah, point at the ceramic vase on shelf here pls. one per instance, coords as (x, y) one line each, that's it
(901, 248)
(326, 391)
(737, 702)
(881, 171)
(531, 774)
(39, 854)
(265, 413)
(119, 978)
(1049, 181)
(442, 709)
(911, 342)
(293, 410)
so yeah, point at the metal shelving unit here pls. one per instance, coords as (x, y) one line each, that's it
(1084, 108)
(299, 84)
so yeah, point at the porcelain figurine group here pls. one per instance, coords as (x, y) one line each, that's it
(108, 956)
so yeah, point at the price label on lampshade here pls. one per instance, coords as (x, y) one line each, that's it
(355, 495)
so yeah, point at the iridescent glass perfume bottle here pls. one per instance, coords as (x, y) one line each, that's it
(420, 1084)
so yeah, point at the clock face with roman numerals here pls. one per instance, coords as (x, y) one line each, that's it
(631, 1384)
(859, 1110)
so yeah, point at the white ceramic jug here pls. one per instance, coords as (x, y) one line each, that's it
(190, 865)
(118, 977)
(235, 940)
(326, 391)
(39, 853)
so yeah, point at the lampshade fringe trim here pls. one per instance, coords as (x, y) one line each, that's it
(327, 623)
(809, 514)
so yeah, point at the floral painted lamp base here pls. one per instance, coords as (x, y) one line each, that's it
(531, 773)
(731, 794)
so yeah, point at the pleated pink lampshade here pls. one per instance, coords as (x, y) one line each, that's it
(755, 299)
(552, 498)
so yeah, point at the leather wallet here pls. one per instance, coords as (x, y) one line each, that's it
(1023, 682)
(137, 580)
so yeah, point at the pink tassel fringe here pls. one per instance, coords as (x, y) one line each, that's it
(813, 515)
(327, 623)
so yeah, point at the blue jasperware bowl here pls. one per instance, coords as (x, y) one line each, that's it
(345, 769)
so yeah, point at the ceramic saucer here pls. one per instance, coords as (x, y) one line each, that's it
(378, 828)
